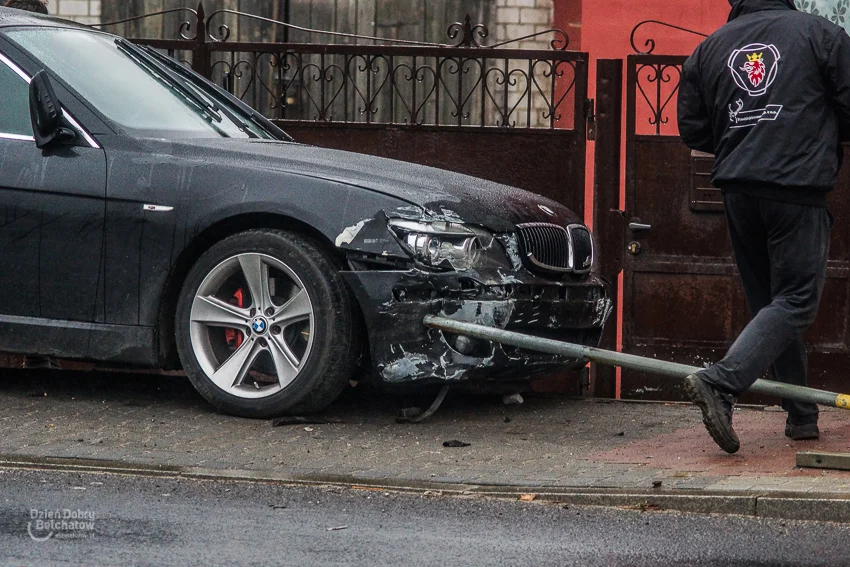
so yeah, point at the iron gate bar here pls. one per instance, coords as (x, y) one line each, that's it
(224, 29)
(409, 50)
(650, 42)
(630, 361)
(464, 29)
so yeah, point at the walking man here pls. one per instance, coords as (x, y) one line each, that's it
(769, 95)
(28, 5)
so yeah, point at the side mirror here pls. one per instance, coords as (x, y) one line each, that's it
(46, 113)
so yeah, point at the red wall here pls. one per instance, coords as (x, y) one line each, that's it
(603, 29)
(606, 24)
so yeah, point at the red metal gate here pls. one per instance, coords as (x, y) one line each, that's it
(682, 300)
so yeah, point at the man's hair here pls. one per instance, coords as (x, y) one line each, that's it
(28, 5)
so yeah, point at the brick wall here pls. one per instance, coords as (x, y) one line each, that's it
(519, 18)
(83, 11)
(515, 19)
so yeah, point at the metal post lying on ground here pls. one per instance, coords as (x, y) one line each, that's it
(812, 460)
(630, 361)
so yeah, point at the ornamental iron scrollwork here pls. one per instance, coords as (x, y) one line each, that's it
(375, 88)
(460, 84)
(183, 29)
(649, 44)
(467, 33)
(658, 84)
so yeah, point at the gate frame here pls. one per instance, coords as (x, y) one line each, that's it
(608, 219)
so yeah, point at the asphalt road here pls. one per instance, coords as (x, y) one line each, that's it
(123, 520)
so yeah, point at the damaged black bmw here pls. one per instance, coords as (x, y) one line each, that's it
(152, 220)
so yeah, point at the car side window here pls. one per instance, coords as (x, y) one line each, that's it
(15, 110)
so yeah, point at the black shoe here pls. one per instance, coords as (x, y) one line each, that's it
(716, 412)
(803, 432)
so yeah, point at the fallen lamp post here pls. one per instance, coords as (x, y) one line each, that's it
(630, 361)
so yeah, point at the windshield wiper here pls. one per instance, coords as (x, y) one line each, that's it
(185, 75)
(165, 76)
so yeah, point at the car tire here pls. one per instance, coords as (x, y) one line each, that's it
(213, 353)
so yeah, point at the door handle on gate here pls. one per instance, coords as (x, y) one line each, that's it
(637, 226)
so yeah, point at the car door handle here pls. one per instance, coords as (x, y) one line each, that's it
(637, 226)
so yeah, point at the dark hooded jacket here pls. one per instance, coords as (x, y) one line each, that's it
(769, 95)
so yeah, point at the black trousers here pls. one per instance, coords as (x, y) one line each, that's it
(781, 250)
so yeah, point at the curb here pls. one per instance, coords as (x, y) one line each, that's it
(768, 504)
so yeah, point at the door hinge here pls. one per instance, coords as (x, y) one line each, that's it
(590, 116)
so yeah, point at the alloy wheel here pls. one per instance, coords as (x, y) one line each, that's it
(251, 325)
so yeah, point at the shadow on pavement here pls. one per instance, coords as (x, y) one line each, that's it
(176, 392)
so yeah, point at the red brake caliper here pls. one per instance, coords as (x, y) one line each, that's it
(234, 338)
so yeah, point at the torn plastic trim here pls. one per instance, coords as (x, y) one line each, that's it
(349, 233)
(371, 238)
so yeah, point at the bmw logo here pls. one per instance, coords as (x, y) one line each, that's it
(259, 325)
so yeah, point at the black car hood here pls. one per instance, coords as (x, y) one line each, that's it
(442, 194)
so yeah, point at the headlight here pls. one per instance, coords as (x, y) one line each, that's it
(447, 245)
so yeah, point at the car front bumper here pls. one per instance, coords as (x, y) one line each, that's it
(403, 350)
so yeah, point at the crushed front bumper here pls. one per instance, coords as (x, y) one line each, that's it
(403, 350)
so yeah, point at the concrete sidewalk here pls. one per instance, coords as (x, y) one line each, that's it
(581, 451)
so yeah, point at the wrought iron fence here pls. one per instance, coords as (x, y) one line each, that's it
(652, 86)
(653, 83)
(401, 82)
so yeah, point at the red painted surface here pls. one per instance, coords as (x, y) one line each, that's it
(603, 29)
(568, 18)
(605, 25)
(764, 448)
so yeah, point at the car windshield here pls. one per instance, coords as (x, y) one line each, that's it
(134, 89)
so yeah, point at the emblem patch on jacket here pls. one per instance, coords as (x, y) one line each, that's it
(741, 118)
(754, 67)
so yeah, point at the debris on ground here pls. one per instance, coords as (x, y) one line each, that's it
(512, 400)
(508, 419)
(277, 506)
(455, 443)
(416, 415)
(527, 497)
(645, 507)
(820, 460)
(621, 434)
(409, 413)
(657, 484)
(337, 528)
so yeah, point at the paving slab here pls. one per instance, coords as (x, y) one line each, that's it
(622, 451)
